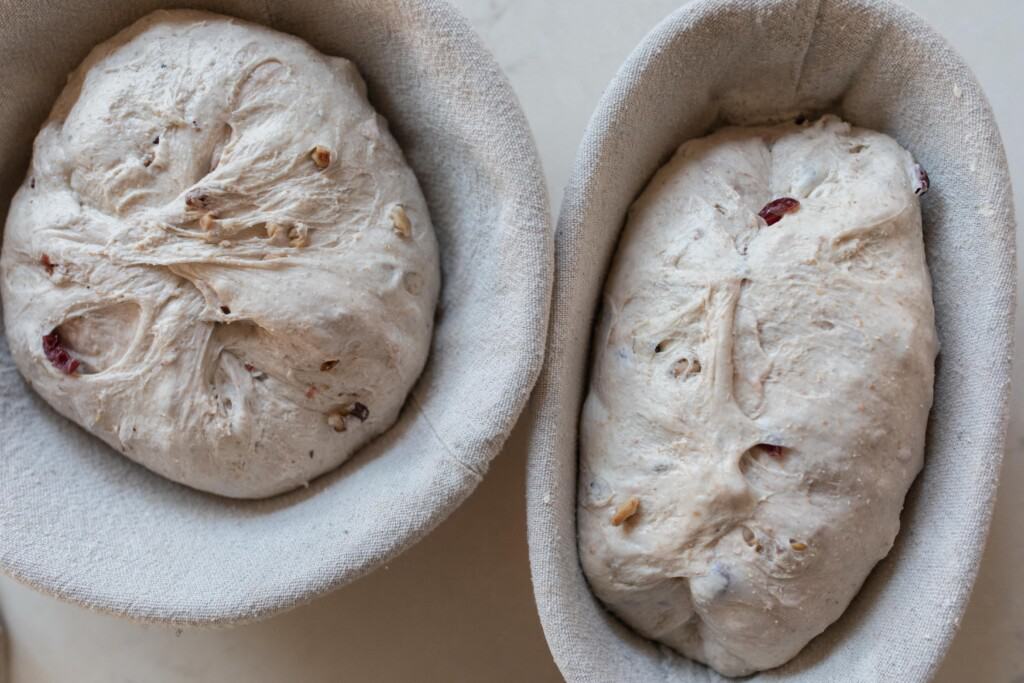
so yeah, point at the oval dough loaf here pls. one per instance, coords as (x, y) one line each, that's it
(759, 394)
(220, 230)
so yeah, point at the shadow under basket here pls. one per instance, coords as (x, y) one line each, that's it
(83, 523)
(735, 61)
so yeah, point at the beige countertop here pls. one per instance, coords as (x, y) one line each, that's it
(458, 607)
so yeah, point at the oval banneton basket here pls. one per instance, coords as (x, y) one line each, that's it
(79, 521)
(881, 67)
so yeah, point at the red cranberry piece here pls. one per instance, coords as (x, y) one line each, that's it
(54, 349)
(360, 411)
(774, 210)
(197, 199)
(922, 183)
(249, 367)
(45, 261)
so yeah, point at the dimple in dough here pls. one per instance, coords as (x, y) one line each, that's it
(759, 394)
(221, 230)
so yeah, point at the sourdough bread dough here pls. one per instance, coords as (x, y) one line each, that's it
(759, 393)
(220, 262)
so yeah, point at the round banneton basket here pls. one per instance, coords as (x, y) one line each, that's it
(79, 521)
(878, 66)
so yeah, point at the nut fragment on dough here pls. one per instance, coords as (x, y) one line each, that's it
(400, 221)
(207, 221)
(298, 236)
(337, 421)
(625, 511)
(321, 157)
(277, 234)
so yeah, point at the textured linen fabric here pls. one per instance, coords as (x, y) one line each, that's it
(81, 522)
(734, 61)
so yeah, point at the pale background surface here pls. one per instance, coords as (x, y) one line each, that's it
(458, 606)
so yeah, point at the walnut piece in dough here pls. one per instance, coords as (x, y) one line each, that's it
(206, 229)
(760, 391)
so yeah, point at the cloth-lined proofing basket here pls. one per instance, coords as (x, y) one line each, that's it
(79, 521)
(737, 61)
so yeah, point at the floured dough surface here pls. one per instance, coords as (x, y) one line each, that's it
(219, 229)
(759, 393)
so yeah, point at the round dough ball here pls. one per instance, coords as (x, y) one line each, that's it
(220, 262)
